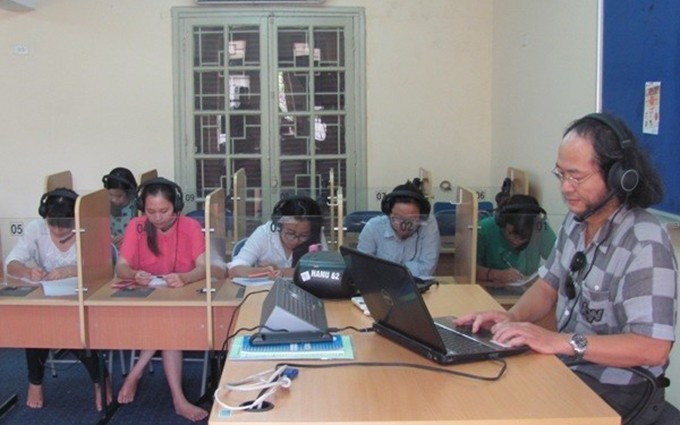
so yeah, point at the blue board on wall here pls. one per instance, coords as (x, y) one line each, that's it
(641, 43)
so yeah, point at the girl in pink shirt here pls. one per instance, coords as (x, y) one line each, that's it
(164, 246)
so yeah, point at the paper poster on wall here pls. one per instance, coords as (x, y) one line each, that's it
(650, 116)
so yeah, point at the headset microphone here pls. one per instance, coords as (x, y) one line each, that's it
(592, 210)
(67, 238)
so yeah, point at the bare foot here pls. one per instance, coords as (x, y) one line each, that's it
(128, 390)
(98, 394)
(34, 398)
(190, 411)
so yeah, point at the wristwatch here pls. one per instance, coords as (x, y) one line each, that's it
(579, 343)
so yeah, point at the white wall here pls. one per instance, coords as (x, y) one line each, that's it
(544, 76)
(94, 92)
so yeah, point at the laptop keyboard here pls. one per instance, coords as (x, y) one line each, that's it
(460, 344)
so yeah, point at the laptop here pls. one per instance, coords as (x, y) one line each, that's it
(400, 314)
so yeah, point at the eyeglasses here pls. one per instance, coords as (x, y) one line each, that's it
(578, 262)
(561, 176)
(291, 236)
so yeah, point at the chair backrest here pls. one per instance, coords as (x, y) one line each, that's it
(442, 206)
(355, 221)
(485, 209)
(237, 247)
(198, 215)
(446, 221)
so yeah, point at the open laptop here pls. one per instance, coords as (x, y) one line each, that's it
(400, 314)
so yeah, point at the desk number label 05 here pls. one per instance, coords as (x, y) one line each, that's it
(16, 228)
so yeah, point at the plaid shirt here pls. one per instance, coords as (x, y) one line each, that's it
(627, 285)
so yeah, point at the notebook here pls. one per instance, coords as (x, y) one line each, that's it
(401, 315)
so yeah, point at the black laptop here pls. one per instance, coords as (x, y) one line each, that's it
(400, 314)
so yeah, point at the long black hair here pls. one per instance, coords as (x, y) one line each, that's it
(171, 192)
(602, 130)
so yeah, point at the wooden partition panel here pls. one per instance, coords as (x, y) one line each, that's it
(467, 221)
(62, 179)
(239, 204)
(215, 249)
(2, 267)
(148, 175)
(425, 177)
(520, 181)
(93, 241)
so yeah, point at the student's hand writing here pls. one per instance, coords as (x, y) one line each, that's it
(61, 273)
(173, 280)
(507, 275)
(271, 272)
(485, 319)
(143, 278)
(36, 274)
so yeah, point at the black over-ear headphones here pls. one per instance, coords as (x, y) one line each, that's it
(43, 208)
(621, 178)
(178, 196)
(313, 212)
(107, 178)
(503, 213)
(390, 199)
(504, 194)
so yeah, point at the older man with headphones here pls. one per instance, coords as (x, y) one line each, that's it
(406, 233)
(611, 277)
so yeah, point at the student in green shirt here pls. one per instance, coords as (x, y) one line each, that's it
(511, 243)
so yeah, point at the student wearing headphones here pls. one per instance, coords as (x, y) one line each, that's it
(275, 247)
(121, 186)
(47, 251)
(511, 244)
(406, 233)
(164, 248)
(611, 277)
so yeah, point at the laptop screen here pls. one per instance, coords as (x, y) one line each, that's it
(391, 295)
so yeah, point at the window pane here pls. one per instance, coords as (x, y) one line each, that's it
(209, 173)
(329, 45)
(209, 134)
(208, 46)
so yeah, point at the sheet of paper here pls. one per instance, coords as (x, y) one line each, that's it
(252, 281)
(60, 287)
(525, 281)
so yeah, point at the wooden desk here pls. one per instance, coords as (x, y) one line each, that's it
(169, 318)
(36, 321)
(536, 389)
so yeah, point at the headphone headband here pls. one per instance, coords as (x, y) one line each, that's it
(310, 210)
(178, 195)
(624, 142)
(107, 178)
(390, 199)
(61, 192)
